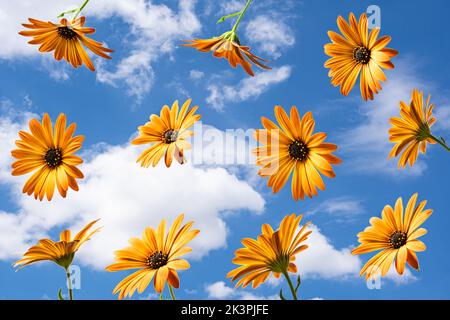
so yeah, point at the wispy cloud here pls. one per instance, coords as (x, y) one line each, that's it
(231, 6)
(341, 208)
(271, 36)
(196, 74)
(154, 31)
(219, 290)
(246, 89)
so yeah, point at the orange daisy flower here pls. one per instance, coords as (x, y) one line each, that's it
(157, 257)
(49, 152)
(411, 131)
(66, 39)
(293, 148)
(61, 252)
(167, 134)
(228, 47)
(358, 52)
(272, 252)
(396, 236)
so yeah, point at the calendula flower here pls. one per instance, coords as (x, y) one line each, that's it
(358, 52)
(167, 133)
(48, 152)
(273, 252)
(61, 252)
(157, 257)
(411, 131)
(66, 39)
(228, 46)
(396, 235)
(292, 147)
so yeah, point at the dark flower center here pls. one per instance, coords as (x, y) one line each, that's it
(170, 136)
(66, 33)
(362, 55)
(298, 150)
(397, 239)
(157, 260)
(423, 133)
(53, 157)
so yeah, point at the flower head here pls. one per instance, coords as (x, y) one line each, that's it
(157, 257)
(272, 252)
(49, 152)
(396, 235)
(228, 46)
(292, 147)
(61, 252)
(358, 52)
(66, 39)
(167, 133)
(411, 131)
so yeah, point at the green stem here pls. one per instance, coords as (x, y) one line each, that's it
(79, 9)
(62, 14)
(442, 143)
(291, 286)
(241, 16)
(69, 283)
(171, 293)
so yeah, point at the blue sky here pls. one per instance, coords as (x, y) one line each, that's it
(227, 202)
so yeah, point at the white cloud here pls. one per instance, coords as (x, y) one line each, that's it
(219, 290)
(272, 6)
(341, 207)
(406, 278)
(179, 87)
(127, 198)
(232, 147)
(367, 144)
(322, 260)
(56, 70)
(442, 111)
(154, 30)
(340, 263)
(272, 36)
(251, 296)
(248, 88)
(196, 74)
(231, 6)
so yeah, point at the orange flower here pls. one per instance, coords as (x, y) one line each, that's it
(60, 252)
(411, 131)
(292, 148)
(227, 46)
(358, 52)
(167, 134)
(49, 152)
(66, 39)
(156, 255)
(272, 252)
(395, 236)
